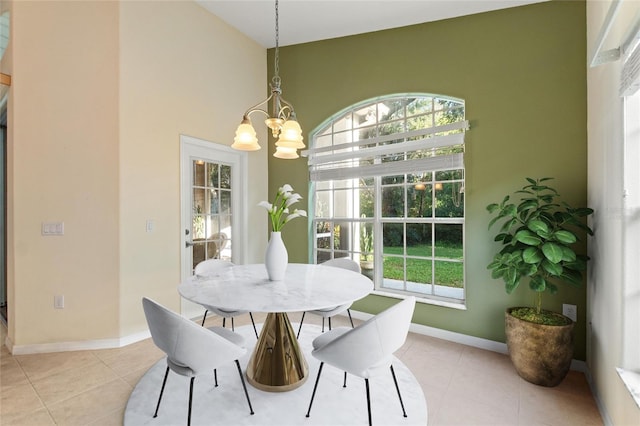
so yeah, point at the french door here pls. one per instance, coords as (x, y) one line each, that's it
(212, 198)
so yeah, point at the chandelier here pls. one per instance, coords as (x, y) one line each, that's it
(281, 120)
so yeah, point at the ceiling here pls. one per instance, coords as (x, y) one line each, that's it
(302, 21)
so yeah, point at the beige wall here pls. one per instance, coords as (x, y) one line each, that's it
(183, 71)
(101, 93)
(605, 286)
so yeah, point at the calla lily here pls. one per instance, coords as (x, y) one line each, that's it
(279, 212)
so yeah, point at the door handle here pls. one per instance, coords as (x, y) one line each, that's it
(188, 244)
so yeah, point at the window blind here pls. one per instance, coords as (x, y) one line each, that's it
(430, 149)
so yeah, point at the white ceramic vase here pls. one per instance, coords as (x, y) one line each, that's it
(276, 257)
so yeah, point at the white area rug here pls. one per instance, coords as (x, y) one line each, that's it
(227, 405)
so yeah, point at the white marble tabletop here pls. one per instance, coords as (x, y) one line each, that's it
(304, 288)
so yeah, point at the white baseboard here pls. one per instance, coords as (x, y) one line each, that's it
(83, 345)
(451, 336)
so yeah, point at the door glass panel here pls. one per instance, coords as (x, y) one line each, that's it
(212, 213)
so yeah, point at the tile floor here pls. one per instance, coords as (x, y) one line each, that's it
(463, 385)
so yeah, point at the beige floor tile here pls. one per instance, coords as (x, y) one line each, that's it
(561, 407)
(456, 410)
(11, 374)
(39, 417)
(19, 399)
(496, 392)
(37, 366)
(114, 418)
(66, 384)
(134, 376)
(131, 358)
(92, 405)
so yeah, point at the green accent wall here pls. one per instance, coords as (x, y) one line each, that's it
(522, 74)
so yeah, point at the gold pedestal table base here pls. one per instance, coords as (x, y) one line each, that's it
(277, 363)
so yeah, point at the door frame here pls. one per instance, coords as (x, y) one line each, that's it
(192, 148)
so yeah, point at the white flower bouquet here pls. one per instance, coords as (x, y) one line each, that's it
(279, 212)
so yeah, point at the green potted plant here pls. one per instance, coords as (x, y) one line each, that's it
(537, 237)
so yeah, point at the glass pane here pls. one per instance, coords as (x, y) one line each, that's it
(393, 238)
(449, 241)
(225, 225)
(419, 239)
(390, 180)
(393, 272)
(366, 199)
(419, 106)
(199, 201)
(322, 141)
(343, 203)
(198, 253)
(420, 122)
(419, 200)
(323, 203)
(449, 199)
(225, 202)
(198, 227)
(322, 185)
(213, 175)
(198, 173)
(419, 271)
(393, 201)
(323, 235)
(212, 226)
(449, 274)
(322, 256)
(342, 236)
(214, 202)
(225, 177)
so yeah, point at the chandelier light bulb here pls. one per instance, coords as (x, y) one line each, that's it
(291, 135)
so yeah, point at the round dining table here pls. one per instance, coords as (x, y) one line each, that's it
(277, 363)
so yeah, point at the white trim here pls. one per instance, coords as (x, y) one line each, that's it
(597, 56)
(82, 345)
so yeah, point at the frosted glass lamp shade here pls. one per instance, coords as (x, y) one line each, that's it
(286, 153)
(290, 135)
(245, 139)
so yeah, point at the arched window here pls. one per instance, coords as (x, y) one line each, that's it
(387, 190)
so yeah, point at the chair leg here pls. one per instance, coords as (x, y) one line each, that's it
(233, 328)
(323, 324)
(366, 382)
(350, 319)
(190, 400)
(345, 380)
(215, 376)
(244, 386)
(204, 317)
(224, 322)
(164, 382)
(314, 388)
(393, 373)
(254, 324)
(329, 323)
(300, 328)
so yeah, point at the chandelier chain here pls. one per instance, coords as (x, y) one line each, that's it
(277, 59)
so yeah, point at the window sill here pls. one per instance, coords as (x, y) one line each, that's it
(452, 305)
(631, 380)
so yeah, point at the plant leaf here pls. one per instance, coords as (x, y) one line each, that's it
(554, 269)
(527, 237)
(537, 283)
(565, 236)
(532, 255)
(552, 251)
(568, 255)
(538, 226)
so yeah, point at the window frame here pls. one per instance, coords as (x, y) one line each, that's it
(377, 220)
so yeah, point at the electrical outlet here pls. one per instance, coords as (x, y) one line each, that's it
(570, 311)
(58, 302)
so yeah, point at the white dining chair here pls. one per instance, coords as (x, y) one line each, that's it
(340, 262)
(367, 350)
(191, 350)
(212, 266)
